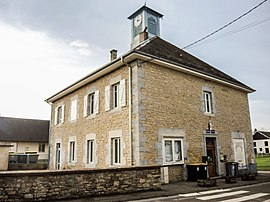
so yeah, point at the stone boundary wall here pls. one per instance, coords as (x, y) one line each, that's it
(53, 185)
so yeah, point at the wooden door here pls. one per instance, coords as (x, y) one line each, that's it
(211, 154)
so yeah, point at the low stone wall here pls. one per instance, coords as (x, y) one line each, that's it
(51, 185)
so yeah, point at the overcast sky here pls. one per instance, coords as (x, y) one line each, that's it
(47, 45)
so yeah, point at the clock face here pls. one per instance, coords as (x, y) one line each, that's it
(138, 20)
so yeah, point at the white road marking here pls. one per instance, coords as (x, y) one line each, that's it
(245, 198)
(221, 195)
(204, 192)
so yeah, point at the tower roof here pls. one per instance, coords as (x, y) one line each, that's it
(146, 9)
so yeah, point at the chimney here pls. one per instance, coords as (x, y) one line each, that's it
(143, 35)
(113, 54)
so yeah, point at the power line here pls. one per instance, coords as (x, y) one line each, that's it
(232, 32)
(224, 25)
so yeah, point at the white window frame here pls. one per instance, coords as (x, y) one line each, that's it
(115, 95)
(174, 161)
(90, 151)
(208, 102)
(72, 151)
(73, 110)
(91, 103)
(116, 153)
(59, 114)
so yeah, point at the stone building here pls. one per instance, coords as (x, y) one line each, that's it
(154, 105)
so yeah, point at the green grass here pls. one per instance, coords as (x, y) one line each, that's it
(263, 163)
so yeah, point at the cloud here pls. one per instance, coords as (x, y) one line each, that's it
(79, 44)
(84, 51)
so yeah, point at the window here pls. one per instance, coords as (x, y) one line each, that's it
(254, 144)
(172, 150)
(41, 147)
(152, 25)
(266, 143)
(91, 103)
(115, 95)
(73, 110)
(59, 115)
(267, 150)
(116, 151)
(208, 104)
(90, 151)
(72, 151)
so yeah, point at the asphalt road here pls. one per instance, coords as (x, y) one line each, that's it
(257, 192)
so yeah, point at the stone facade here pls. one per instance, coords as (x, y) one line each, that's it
(171, 106)
(99, 126)
(52, 185)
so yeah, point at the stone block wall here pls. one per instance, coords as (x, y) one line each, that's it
(171, 101)
(52, 185)
(98, 126)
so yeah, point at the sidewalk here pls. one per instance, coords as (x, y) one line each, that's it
(175, 189)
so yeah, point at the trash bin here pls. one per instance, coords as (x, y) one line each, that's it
(32, 158)
(232, 169)
(253, 168)
(22, 158)
(197, 171)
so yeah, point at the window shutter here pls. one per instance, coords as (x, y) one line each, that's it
(55, 115)
(107, 98)
(96, 102)
(63, 114)
(123, 93)
(85, 101)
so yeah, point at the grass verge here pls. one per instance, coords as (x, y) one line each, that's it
(263, 163)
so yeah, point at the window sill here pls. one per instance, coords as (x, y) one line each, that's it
(173, 163)
(116, 109)
(208, 114)
(90, 165)
(90, 116)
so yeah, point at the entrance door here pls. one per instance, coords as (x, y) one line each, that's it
(57, 156)
(211, 154)
(239, 151)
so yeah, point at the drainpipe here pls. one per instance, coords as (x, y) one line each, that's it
(130, 108)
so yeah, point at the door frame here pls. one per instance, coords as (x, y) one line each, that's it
(217, 164)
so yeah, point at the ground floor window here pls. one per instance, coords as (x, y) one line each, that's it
(116, 151)
(267, 150)
(90, 151)
(72, 151)
(172, 150)
(41, 147)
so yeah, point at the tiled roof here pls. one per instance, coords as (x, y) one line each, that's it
(23, 130)
(163, 50)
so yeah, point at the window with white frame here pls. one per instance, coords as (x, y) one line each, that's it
(208, 102)
(115, 95)
(72, 151)
(73, 110)
(115, 151)
(59, 115)
(90, 151)
(172, 150)
(91, 103)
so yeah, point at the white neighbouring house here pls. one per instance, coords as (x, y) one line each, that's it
(261, 142)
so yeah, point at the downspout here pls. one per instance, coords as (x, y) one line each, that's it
(49, 142)
(130, 107)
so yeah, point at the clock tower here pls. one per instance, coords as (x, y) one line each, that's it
(146, 22)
